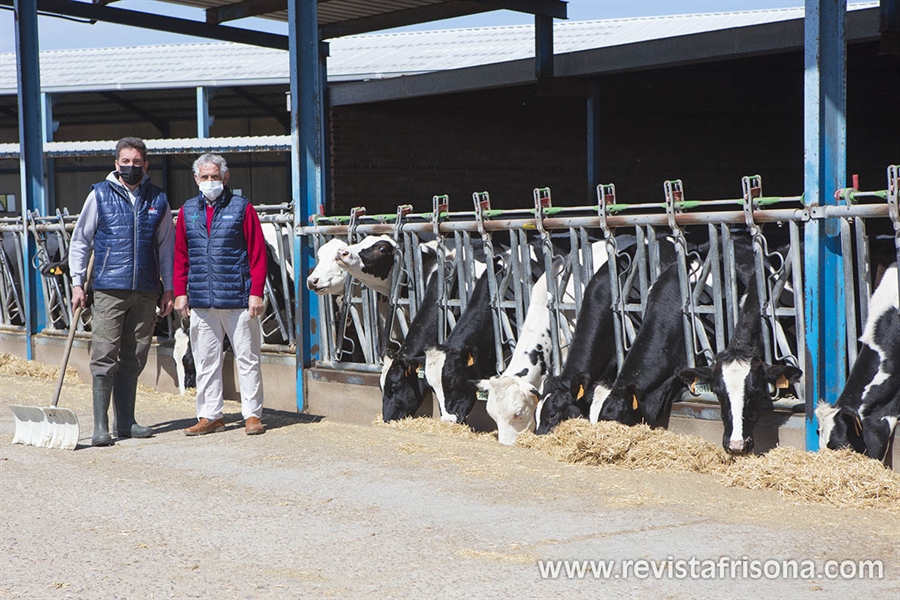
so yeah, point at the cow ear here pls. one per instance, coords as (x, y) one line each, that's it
(692, 376)
(471, 353)
(782, 375)
(579, 385)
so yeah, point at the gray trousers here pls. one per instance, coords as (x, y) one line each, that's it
(121, 331)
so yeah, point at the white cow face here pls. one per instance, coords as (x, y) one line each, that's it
(328, 277)
(511, 403)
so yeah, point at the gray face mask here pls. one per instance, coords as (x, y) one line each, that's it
(131, 174)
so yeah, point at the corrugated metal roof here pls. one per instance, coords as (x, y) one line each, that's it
(271, 143)
(358, 57)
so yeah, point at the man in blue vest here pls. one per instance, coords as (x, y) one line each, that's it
(219, 278)
(127, 222)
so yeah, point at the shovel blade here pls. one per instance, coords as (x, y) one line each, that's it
(50, 427)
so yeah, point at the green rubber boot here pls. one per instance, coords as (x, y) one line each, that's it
(124, 392)
(102, 387)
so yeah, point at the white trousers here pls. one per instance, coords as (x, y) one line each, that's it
(209, 326)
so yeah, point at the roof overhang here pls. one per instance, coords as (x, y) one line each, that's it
(270, 143)
(723, 44)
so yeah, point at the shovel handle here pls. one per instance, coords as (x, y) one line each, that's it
(74, 325)
(66, 353)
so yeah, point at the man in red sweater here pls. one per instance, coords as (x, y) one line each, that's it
(218, 280)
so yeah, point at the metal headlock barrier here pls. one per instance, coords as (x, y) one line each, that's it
(52, 234)
(771, 225)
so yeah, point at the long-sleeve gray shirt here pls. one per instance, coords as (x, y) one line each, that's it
(82, 242)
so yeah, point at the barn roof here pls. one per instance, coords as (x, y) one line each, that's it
(381, 56)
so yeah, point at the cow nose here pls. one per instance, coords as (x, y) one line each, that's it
(736, 446)
(343, 253)
(448, 418)
(312, 282)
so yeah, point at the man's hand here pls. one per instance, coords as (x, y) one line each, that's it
(165, 303)
(181, 306)
(79, 298)
(256, 306)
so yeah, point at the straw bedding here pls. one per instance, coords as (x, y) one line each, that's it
(842, 478)
(13, 365)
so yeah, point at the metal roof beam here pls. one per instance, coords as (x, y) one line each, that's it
(242, 10)
(134, 18)
(438, 12)
(282, 118)
(162, 126)
(547, 8)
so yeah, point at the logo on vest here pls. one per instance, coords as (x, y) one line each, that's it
(152, 211)
(228, 216)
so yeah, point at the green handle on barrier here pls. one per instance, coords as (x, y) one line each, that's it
(553, 210)
(688, 204)
(767, 200)
(494, 212)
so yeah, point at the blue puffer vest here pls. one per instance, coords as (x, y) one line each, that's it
(125, 256)
(219, 273)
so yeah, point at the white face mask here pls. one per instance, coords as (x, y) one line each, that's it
(211, 189)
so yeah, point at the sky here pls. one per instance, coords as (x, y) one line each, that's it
(59, 34)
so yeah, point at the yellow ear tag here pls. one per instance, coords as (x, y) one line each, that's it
(408, 371)
(782, 382)
(580, 392)
(693, 383)
(471, 361)
(634, 402)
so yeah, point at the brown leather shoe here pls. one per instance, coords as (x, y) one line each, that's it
(253, 426)
(205, 426)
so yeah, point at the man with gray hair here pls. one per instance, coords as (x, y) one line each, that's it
(127, 222)
(219, 278)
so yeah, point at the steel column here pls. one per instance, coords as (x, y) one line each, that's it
(49, 127)
(31, 161)
(825, 101)
(306, 170)
(203, 119)
(543, 46)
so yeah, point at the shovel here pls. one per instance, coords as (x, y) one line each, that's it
(51, 427)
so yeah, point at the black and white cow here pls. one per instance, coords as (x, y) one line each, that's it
(865, 414)
(370, 261)
(648, 381)
(590, 354)
(513, 395)
(468, 354)
(740, 379)
(403, 383)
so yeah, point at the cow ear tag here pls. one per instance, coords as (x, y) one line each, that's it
(580, 392)
(420, 372)
(634, 402)
(408, 371)
(481, 395)
(471, 361)
(698, 387)
(782, 382)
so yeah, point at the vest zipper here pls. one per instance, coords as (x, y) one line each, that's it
(134, 249)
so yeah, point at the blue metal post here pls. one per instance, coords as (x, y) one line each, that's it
(31, 160)
(203, 119)
(825, 141)
(306, 168)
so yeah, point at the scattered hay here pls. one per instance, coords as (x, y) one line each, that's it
(190, 395)
(13, 365)
(840, 478)
(576, 441)
(434, 426)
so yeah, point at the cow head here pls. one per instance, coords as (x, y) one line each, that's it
(620, 404)
(453, 375)
(378, 259)
(402, 387)
(742, 388)
(328, 277)
(839, 427)
(510, 402)
(561, 401)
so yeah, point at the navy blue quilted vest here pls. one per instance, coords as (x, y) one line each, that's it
(125, 256)
(219, 274)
